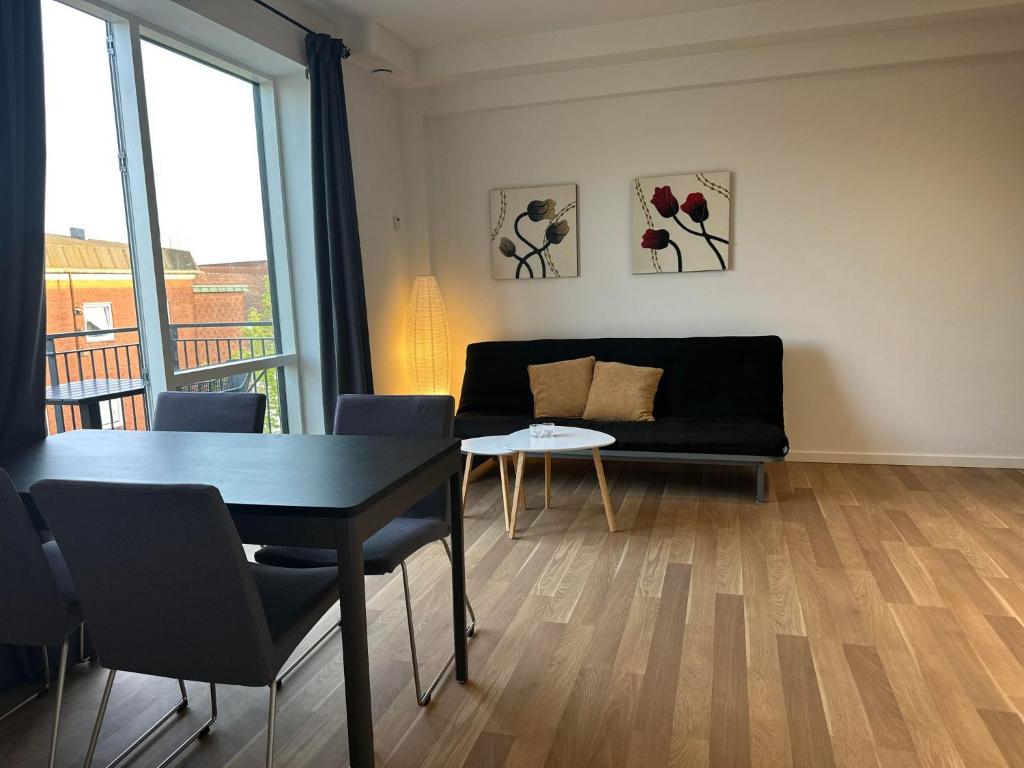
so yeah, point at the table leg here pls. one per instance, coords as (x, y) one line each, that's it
(503, 471)
(517, 493)
(547, 480)
(356, 656)
(458, 583)
(605, 496)
(90, 416)
(465, 477)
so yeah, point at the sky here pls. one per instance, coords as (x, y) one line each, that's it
(203, 132)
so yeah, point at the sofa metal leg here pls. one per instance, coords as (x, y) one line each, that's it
(759, 494)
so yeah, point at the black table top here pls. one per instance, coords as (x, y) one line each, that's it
(324, 475)
(93, 391)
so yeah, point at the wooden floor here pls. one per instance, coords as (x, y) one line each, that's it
(865, 615)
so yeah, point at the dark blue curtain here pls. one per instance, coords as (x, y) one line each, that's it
(22, 201)
(22, 286)
(344, 332)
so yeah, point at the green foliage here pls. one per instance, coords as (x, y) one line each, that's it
(262, 343)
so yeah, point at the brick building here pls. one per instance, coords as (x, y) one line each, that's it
(89, 287)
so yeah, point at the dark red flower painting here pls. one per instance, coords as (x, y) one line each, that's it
(697, 213)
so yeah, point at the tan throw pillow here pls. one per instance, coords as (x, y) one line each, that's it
(561, 389)
(622, 393)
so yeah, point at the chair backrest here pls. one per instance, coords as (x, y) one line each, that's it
(162, 577)
(209, 412)
(401, 416)
(31, 607)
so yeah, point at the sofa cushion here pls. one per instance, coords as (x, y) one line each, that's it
(622, 392)
(562, 388)
(724, 435)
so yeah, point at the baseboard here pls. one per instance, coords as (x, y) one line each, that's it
(916, 459)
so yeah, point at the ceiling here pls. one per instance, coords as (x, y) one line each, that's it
(435, 23)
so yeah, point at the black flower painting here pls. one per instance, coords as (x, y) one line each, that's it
(688, 236)
(534, 233)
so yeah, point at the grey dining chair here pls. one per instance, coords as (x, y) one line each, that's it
(38, 602)
(163, 578)
(209, 412)
(427, 521)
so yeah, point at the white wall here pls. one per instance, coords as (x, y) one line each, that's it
(374, 126)
(878, 229)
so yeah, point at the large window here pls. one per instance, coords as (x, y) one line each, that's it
(209, 190)
(90, 284)
(160, 257)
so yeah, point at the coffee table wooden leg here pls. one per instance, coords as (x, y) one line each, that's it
(605, 496)
(517, 493)
(465, 478)
(547, 480)
(503, 470)
(522, 498)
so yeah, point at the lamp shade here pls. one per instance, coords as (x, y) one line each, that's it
(426, 338)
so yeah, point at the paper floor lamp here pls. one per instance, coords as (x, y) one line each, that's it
(426, 338)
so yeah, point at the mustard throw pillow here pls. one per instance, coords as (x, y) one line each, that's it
(561, 389)
(622, 393)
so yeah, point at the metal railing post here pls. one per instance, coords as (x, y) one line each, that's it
(51, 367)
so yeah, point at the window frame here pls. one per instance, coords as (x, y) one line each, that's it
(124, 38)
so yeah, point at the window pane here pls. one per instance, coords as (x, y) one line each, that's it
(209, 187)
(89, 281)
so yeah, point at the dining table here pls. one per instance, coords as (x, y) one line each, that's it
(331, 491)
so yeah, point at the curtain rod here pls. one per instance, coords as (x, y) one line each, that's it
(345, 50)
(285, 16)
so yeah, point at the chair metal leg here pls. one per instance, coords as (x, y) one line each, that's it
(305, 654)
(181, 706)
(61, 674)
(271, 721)
(423, 697)
(99, 719)
(37, 693)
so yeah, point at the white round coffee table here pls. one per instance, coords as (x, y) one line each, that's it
(488, 446)
(564, 440)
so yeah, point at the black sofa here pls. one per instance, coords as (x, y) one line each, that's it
(719, 400)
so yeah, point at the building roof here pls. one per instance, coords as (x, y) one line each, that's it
(71, 254)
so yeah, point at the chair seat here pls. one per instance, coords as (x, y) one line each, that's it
(382, 552)
(294, 600)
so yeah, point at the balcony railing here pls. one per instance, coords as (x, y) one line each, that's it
(196, 345)
(99, 357)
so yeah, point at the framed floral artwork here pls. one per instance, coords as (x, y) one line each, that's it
(681, 223)
(534, 233)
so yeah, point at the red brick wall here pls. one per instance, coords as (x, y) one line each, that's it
(111, 358)
(100, 359)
